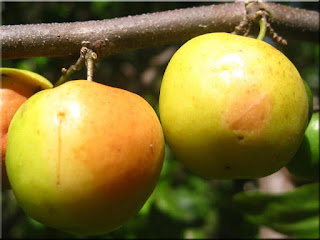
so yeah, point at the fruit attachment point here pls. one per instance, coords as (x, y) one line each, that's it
(87, 57)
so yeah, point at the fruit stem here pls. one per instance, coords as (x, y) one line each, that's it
(263, 28)
(90, 59)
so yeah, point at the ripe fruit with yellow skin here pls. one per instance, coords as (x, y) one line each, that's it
(84, 157)
(16, 87)
(232, 107)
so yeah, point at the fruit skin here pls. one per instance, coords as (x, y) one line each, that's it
(232, 107)
(84, 157)
(305, 164)
(16, 87)
(310, 99)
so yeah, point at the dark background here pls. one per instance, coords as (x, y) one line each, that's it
(182, 205)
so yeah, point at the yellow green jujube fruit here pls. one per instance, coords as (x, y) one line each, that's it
(232, 107)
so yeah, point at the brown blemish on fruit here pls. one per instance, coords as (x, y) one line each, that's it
(248, 112)
(151, 147)
(240, 137)
(227, 167)
(61, 115)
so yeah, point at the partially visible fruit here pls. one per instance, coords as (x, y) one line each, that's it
(16, 87)
(305, 164)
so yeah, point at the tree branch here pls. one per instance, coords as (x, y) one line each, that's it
(117, 35)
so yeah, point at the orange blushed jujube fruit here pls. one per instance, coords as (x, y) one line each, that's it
(84, 157)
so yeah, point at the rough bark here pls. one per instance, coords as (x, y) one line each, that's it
(117, 35)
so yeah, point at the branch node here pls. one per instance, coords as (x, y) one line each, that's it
(257, 10)
(85, 43)
(63, 71)
(87, 57)
(244, 26)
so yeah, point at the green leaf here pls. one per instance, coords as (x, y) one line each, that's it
(184, 203)
(295, 213)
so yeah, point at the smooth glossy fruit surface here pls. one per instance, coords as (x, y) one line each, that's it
(305, 163)
(84, 157)
(16, 87)
(232, 107)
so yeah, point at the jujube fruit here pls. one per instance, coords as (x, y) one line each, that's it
(232, 107)
(84, 157)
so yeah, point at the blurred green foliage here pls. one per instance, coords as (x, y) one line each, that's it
(295, 213)
(182, 205)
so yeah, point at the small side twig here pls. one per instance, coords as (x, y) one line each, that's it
(73, 68)
(257, 12)
(275, 37)
(87, 57)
